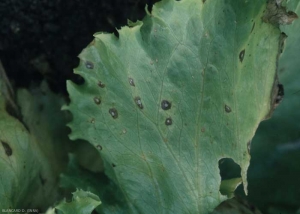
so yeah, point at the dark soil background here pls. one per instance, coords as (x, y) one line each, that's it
(42, 38)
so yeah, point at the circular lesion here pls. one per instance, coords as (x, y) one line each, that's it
(113, 112)
(168, 121)
(166, 105)
(89, 65)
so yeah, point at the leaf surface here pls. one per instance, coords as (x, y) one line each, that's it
(32, 151)
(174, 94)
(77, 177)
(274, 170)
(83, 202)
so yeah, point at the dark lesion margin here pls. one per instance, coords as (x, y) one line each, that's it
(277, 92)
(6, 90)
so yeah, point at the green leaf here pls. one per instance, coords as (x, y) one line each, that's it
(174, 94)
(51, 211)
(82, 203)
(274, 170)
(78, 177)
(31, 150)
(228, 186)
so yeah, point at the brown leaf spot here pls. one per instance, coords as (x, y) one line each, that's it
(165, 105)
(227, 109)
(97, 100)
(89, 65)
(252, 27)
(138, 102)
(168, 121)
(113, 112)
(101, 84)
(241, 55)
(131, 82)
(7, 149)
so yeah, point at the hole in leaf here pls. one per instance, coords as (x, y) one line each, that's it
(229, 169)
(230, 173)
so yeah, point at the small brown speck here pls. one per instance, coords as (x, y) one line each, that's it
(101, 84)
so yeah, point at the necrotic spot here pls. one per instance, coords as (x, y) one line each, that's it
(7, 149)
(97, 100)
(227, 109)
(89, 65)
(168, 121)
(139, 103)
(252, 27)
(113, 112)
(99, 147)
(131, 81)
(241, 55)
(101, 84)
(165, 105)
